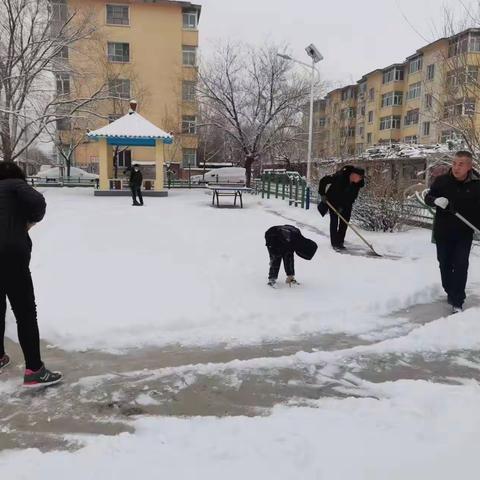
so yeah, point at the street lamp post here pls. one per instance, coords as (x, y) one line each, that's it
(316, 57)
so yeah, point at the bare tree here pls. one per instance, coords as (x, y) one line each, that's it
(252, 95)
(35, 35)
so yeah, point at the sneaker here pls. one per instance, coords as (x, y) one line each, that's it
(4, 361)
(291, 281)
(456, 309)
(339, 248)
(41, 378)
(271, 282)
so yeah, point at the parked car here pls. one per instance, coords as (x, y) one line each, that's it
(222, 175)
(75, 173)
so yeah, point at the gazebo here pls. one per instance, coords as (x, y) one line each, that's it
(131, 130)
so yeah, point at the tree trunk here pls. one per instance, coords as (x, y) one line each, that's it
(248, 170)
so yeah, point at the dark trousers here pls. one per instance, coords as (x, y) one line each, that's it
(276, 260)
(338, 228)
(16, 284)
(453, 254)
(137, 192)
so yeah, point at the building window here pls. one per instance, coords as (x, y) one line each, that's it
(360, 131)
(426, 128)
(459, 109)
(411, 139)
(428, 101)
(393, 75)
(348, 94)
(190, 19)
(63, 83)
(189, 124)
(189, 55)
(371, 95)
(369, 138)
(474, 44)
(472, 74)
(362, 111)
(124, 159)
(189, 91)
(118, 52)
(59, 12)
(412, 117)
(189, 157)
(415, 65)
(389, 123)
(392, 99)
(113, 117)
(63, 53)
(63, 124)
(431, 72)
(370, 117)
(322, 122)
(414, 91)
(119, 88)
(347, 132)
(118, 15)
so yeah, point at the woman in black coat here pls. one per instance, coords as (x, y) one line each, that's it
(21, 207)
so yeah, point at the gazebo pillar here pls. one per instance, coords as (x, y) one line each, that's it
(159, 163)
(105, 159)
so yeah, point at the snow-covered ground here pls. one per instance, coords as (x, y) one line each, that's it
(112, 277)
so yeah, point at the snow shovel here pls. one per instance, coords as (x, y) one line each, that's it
(354, 229)
(466, 222)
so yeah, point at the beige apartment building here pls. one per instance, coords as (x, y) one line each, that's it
(143, 50)
(428, 98)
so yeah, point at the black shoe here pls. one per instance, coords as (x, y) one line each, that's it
(456, 309)
(339, 248)
(41, 378)
(135, 204)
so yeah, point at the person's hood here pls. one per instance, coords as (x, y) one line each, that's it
(305, 248)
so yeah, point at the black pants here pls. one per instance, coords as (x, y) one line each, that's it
(453, 254)
(16, 284)
(338, 228)
(276, 260)
(136, 192)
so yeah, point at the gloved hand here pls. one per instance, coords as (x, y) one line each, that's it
(441, 202)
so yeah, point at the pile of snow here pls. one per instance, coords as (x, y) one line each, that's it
(399, 150)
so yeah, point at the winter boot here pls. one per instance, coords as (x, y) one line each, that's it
(41, 378)
(456, 309)
(271, 282)
(4, 361)
(291, 281)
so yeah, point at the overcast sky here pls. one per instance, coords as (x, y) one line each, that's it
(354, 36)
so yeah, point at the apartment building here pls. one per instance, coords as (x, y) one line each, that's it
(144, 50)
(428, 98)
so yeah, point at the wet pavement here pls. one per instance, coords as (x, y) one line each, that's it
(103, 392)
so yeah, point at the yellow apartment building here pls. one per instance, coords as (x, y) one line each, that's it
(428, 98)
(143, 50)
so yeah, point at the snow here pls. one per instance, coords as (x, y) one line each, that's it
(406, 429)
(131, 125)
(109, 276)
(112, 277)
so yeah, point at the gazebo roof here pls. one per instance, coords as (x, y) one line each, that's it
(131, 129)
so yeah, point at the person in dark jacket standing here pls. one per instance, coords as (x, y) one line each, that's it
(21, 207)
(136, 180)
(340, 190)
(457, 191)
(282, 242)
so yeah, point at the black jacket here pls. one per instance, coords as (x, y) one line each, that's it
(20, 204)
(288, 239)
(463, 197)
(136, 178)
(338, 189)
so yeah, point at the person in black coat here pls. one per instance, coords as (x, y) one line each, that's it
(136, 180)
(456, 191)
(21, 207)
(282, 242)
(340, 190)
